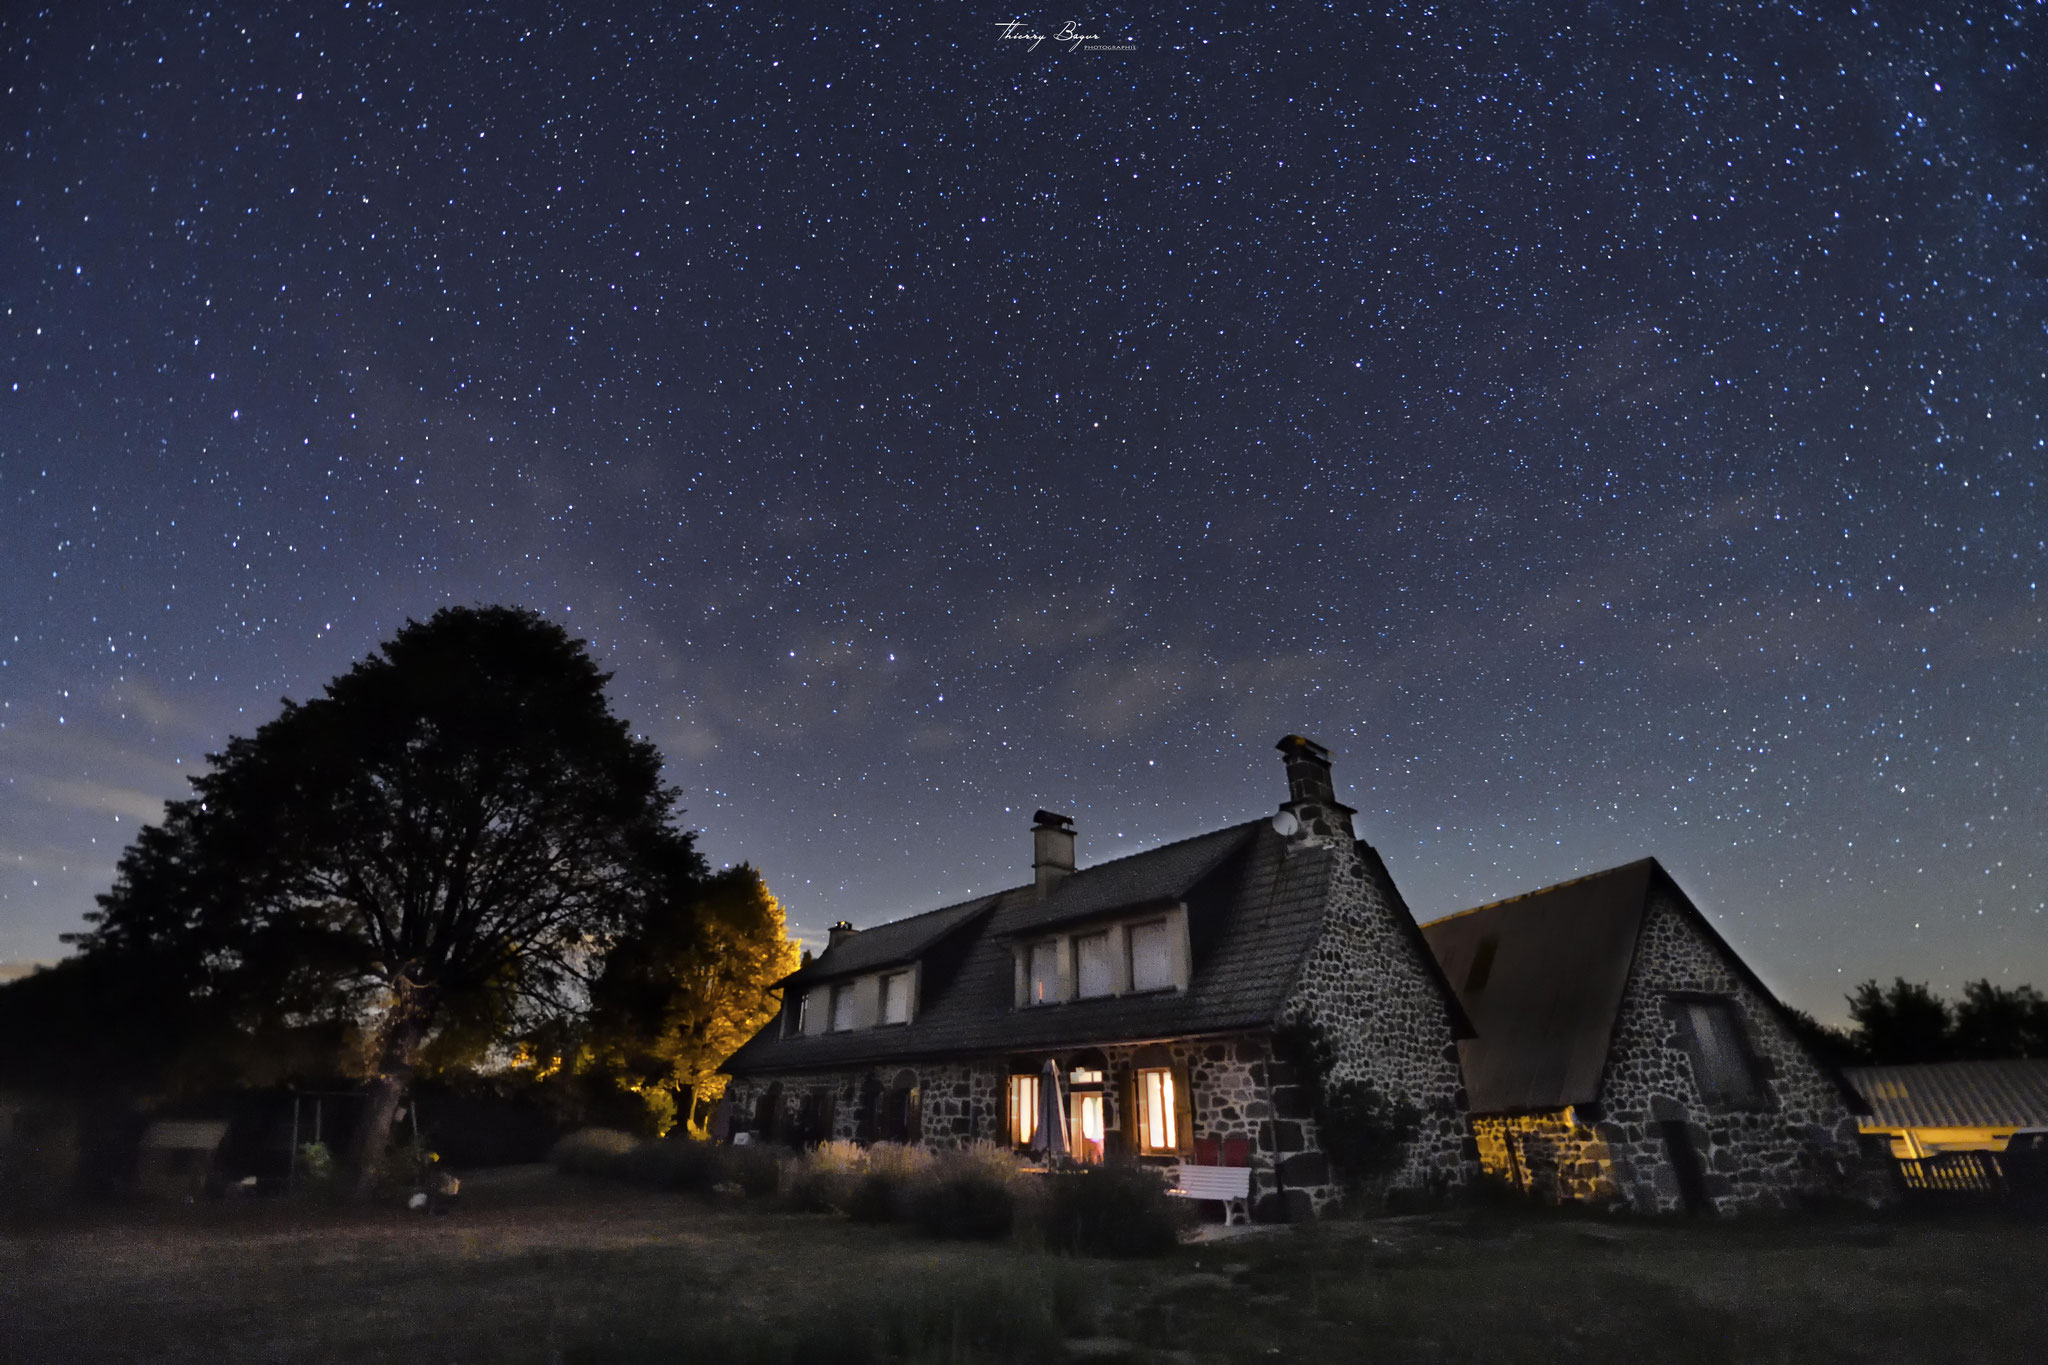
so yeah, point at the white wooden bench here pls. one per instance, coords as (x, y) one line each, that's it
(1225, 1184)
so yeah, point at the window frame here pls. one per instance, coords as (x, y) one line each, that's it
(1733, 1043)
(903, 978)
(1023, 1101)
(1165, 927)
(1157, 1111)
(1055, 993)
(1108, 964)
(844, 993)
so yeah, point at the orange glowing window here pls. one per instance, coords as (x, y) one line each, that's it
(1155, 1112)
(1023, 1110)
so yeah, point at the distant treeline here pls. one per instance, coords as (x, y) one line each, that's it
(1905, 1023)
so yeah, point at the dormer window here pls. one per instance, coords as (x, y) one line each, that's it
(861, 1002)
(1151, 957)
(845, 1006)
(1044, 981)
(896, 998)
(1093, 974)
(1099, 961)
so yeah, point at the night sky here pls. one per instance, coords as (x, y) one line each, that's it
(1613, 430)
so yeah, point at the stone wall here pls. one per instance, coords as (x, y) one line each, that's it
(1235, 1090)
(1551, 1156)
(1798, 1140)
(1382, 1007)
(959, 1102)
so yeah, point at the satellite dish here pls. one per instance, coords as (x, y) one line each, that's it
(1285, 825)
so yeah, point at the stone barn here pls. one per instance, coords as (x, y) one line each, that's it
(1625, 1054)
(1157, 985)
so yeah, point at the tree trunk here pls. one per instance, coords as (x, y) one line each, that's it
(386, 1092)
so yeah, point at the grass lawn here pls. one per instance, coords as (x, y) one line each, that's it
(540, 1267)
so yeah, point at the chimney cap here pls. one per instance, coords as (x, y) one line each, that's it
(1302, 745)
(1045, 819)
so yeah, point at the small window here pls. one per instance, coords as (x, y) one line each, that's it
(842, 1007)
(1085, 1075)
(896, 998)
(1151, 960)
(1720, 1062)
(797, 1021)
(1091, 966)
(1156, 1132)
(1045, 974)
(1023, 1110)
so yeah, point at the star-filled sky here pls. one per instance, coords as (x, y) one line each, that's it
(1612, 429)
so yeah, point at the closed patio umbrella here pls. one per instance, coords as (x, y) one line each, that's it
(1050, 1141)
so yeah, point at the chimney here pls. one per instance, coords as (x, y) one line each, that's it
(838, 933)
(1052, 850)
(1311, 796)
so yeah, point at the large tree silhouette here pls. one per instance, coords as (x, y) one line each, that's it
(443, 845)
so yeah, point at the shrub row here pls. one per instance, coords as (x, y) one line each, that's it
(685, 1164)
(979, 1193)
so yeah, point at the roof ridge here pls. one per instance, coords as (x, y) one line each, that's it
(1539, 891)
(992, 896)
(1175, 843)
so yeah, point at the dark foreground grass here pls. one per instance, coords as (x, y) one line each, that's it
(546, 1269)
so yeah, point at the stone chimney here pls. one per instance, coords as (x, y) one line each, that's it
(1052, 850)
(838, 934)
(1311, 796)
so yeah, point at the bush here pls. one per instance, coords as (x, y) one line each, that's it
(594, 1151)
(676, 1164)
(822, 1179)
(896, 1160)
(819, 1189)
(1120, 1209)
(756, 1169)
(874, 1197)
(970, 1194)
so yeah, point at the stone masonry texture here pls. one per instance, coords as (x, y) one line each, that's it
(1800, 1139)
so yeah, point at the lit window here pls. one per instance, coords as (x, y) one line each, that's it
(1045, 974)
(1091, 966)
(1023, 1109)
(1151, 962)
(1156, 1132)
(1088, 1127)
(842, 1007)
(1719, 1061)
(896, 998)
(1086, 1075)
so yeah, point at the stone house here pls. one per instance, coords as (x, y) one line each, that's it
(1158, 985)
(1625, 1054)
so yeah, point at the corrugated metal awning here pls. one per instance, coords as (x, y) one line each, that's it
(2009, 1094)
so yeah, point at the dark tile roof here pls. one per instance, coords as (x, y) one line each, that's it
(1545, 1011)
(1163, 874)
(886, 945)
(1254, 907)
(2010, 1094)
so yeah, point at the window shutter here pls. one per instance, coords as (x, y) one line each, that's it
(1183, 1113)
(1125, 1139)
